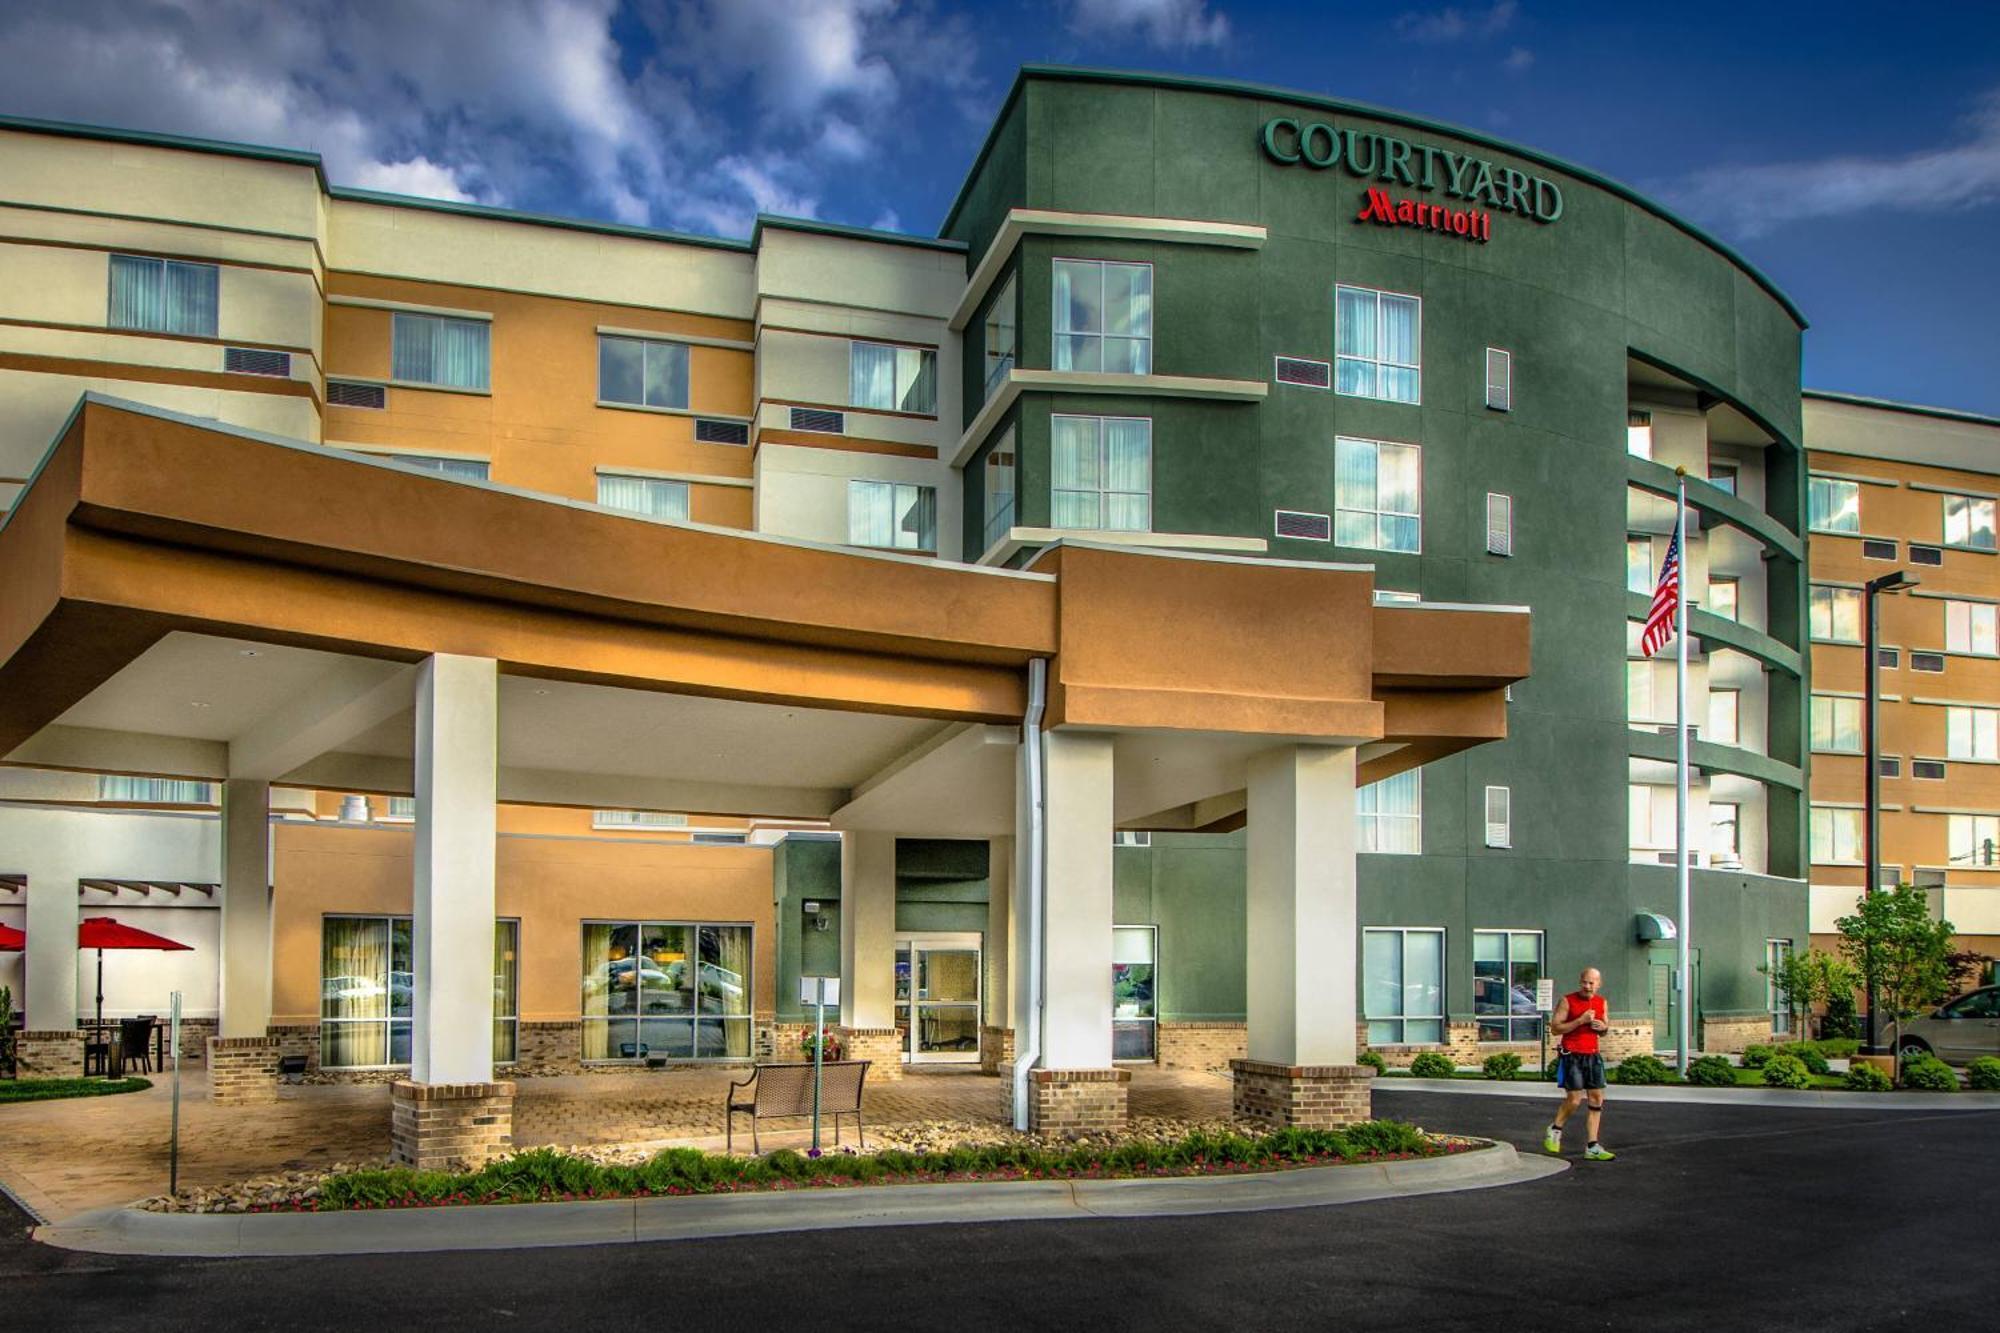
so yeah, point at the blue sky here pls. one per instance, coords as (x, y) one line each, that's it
(1850, 151)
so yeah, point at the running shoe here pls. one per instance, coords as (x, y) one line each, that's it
(1597, 1152)
(1552, 1142)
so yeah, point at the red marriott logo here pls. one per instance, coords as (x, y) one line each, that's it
(1471, 223)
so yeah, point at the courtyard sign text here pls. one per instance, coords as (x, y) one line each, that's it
(1382, 157)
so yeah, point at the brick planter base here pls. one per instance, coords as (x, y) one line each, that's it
(242, 1071)
(1069, 1102)
(449, 1126)
(1269, 1096)
(996, 1048)
(881, 1047)
(48, 1054)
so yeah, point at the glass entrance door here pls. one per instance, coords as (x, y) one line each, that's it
(937, 997)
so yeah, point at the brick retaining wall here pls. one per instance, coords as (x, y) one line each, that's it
(996, 1048)
(1731, 1033)
(1068, 1102)
(1270, 1096)
(1201, 1045)
(48, 1054)
(881, 1047)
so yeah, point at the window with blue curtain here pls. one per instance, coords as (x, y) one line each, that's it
(644, 372)
(1378, 502)
(652, 496)
(892, 378)
(1378, 345)
(892, 515)
(1102, 473)
(164, 295)
(1103, 316)
(440, 350)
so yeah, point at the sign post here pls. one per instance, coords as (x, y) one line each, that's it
(1545, 1003)
(174, 1133)
(818, 992)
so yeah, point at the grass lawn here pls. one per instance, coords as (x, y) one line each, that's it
(49, 1089)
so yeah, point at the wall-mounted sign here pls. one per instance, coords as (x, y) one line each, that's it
(1368, 155)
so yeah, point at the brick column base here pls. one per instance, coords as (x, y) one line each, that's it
(1069, 1102)
(881, 1047)
(449, 1126)
(48, 1054)
(1268, 1096)
(996, 1048)
(242, 1071)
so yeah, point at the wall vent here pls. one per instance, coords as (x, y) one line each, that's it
(819, 419)
(1889, 767)
(1499, 817)
(1889, 657)
(1931, 662)
(1499, 524)
(1926, 555)
(1873, 549)
(257, 361)
(356, 393)
(1931, 769)
(1306, 374)
(1304, 526)
(709, 431)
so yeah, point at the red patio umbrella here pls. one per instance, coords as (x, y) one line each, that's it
(12, 940)
(101, 933)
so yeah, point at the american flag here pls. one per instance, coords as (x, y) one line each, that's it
(1666, 600)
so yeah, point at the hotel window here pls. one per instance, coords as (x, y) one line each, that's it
(1968, 521)
(1499, 524)
(999, 493)
(465, 469)
(368, 991)
(892, 379)
(1725, 832)
(1506, 964)
(892, 515)
(164, 295)
(401, 808)
(1103, 316)
(1972, 733)
(665, 990)
(1103, 473)
(1835, 614)
(1389, 815)
(651, 496)
(1639, 815)
(1378, 345)
(643, 372)
(1724, 707)
(1639, 564)
(1403, 986)
(1378, 495)
(155, 791)
(1500, 817)
(1836, 724)
(435, 349)
(1776, 954)
(1499, 380)
(1835, 835)
(1722, 597)
(1969, 628)
(1639, 691)
(1639, 434)
(1001, 336)
(1833, 505)
(1134, 1018)
(1974, 840)
(1722, 476)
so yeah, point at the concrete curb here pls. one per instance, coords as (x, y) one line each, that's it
(1819, 1098)
(624, 1221)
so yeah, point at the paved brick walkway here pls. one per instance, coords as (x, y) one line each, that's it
(65, 1157)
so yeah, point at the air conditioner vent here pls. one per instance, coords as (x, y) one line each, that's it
(1499, 380)
(1889, 767)
(257, 361)
(1889, 657)
(356, 393)
(1926, 555)
(819, 419)
(1306, 374)
(709, 431)
(1929, 769)
(1931, 662)
(1305, 526)
(1873, 549)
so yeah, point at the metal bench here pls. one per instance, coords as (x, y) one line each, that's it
(785, 1091)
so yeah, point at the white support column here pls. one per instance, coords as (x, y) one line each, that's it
(457, 770)
(1076, 931)
(51, 919)
(246, 909)
(1303, 922)
(868, 931)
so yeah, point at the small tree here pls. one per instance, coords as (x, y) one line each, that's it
(7, 1029)
(1809, 979)
(1899, 948)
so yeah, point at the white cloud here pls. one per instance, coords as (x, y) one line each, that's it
(1452, 24)
(1518, 60)
(887, 220)
(1181, 25)
(1753, 199)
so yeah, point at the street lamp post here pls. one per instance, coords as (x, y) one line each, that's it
(1871, 818)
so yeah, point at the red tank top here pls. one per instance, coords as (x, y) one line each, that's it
(1583, 1041)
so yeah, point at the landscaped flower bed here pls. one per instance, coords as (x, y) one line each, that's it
(544, 1175)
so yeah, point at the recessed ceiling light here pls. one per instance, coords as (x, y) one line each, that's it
(246, 652)
(196, 703)
(541, 691)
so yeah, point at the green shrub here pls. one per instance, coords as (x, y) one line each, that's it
(1808, 1055)
(1711, 1071)
(1501, 1065)
(1984, 1074)
(1374, 1060)
(1384, 1136)
(1927, 1073)
(1840, 1023)
(1786, 1071)
(1837, 1048)
(1432, 1065)
(1865, 1078)
(1755, 1056)
(1642, 1069)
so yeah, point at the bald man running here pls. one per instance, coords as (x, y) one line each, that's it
(1578, 1021)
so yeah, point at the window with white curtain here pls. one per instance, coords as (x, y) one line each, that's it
(1389, 815)
(1103, 473)
(1974, 840)
(1103, 316)
(440, 350)
(1638, 564)
(1402, 985)
(1639, 816)
(653, 496)
(1835, 835)
(1968, 521)
(1725, 836)
(1833, 505)
(155, 791)
(1723, 713)
(1972, 733)
(368, 991)
(1639, 691)
(466, 469)
(892, 378)
(891, 514)
(1378, 495)
(1835, 614)
(164, 295)
(1378, 345)
(1969, 627)
(1722, 597)
(644, 372)
(1836, 724)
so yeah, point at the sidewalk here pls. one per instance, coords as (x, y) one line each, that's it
(624, 1221)
(1816, 1097)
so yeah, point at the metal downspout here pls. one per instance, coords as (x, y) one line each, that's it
(1025, 1055)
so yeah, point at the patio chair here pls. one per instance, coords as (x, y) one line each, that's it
(135, 1043)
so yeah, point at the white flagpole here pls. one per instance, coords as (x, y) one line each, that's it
(1682, 970)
